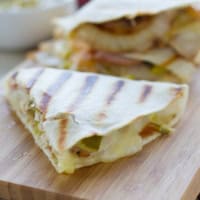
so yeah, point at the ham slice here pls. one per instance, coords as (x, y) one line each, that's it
(114, 58)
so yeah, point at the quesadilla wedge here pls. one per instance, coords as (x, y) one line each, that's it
(79, 119)
(147, 39)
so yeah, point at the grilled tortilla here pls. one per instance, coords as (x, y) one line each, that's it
(79, 119)
(128, 39)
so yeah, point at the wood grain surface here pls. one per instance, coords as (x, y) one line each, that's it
(167, 169)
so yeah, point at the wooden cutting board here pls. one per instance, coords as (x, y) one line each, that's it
(167, 169)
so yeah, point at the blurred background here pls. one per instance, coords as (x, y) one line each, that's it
(25, 23)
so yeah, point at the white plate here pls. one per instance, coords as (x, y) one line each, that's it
(27, 27)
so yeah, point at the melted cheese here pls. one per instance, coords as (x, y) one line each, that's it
(116, 144)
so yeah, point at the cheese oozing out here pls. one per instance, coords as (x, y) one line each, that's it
(116, 144)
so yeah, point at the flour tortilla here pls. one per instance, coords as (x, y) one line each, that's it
(61, 108)
(184, 48)
(99, 11)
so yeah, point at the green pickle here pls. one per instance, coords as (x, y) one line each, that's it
(158, 70)
(37, 129)
(21, 3)
(160, 128)
(90, 144)
(66, 64)
(130, 76)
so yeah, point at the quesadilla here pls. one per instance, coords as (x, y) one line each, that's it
(79, 119)
(147, 39)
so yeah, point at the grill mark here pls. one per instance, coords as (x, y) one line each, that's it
(117, 88)
(62, 134)
(34, 79)
(14, 76)
(84, 92)
(12, 81)
(46, 98)
(145, 93)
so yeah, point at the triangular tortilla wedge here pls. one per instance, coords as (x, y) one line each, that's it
(103, 33)
(79, 119)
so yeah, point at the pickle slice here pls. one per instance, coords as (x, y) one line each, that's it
(87, 146)
(91, 143)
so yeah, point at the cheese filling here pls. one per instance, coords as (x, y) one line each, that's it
(98, 148)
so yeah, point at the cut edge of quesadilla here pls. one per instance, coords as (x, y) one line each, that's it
(123, 140)
(159, 64)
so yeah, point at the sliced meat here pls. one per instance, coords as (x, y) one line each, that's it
(126, 26)
(114, 58)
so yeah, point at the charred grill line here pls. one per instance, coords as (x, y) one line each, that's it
(145, 93)
(117, 88)
(34, 79)
(85, 90)
(14, 76)
(46, 98)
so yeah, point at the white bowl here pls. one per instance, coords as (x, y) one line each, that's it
(23, 29)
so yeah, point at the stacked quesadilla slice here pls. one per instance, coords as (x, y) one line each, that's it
(145, 39)
(79, 119)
